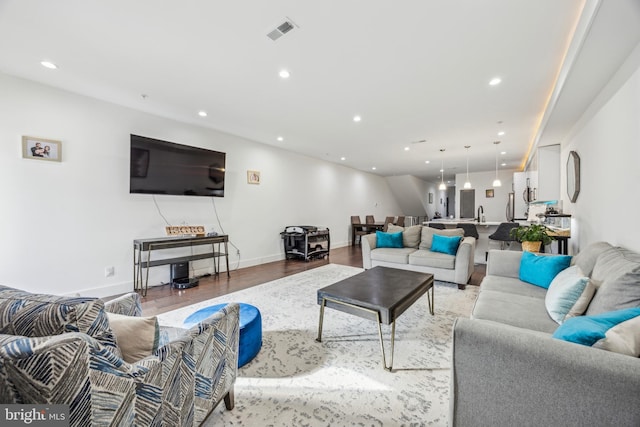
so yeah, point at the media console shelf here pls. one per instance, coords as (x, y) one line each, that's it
(152, 246)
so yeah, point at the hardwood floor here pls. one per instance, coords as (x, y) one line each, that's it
(164, 298)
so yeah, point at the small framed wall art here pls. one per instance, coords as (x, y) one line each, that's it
(488, 193)
(41, 149)
(253, 177)
(430, 198)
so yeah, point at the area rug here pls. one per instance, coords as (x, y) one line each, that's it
(296, 381)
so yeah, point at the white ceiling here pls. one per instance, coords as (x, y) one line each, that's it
(414, 70)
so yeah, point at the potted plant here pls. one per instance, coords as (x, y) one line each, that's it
(532, 236)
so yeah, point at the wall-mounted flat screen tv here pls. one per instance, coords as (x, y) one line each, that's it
(162, 167)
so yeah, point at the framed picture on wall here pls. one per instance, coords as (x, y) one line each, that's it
(41, 149)
(253, 177)
(430, 198)
(488, 193)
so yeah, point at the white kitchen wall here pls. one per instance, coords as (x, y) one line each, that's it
(607, 139)
(62, 223)
(494, 207)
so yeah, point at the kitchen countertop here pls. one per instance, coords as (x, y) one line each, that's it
(454, 221)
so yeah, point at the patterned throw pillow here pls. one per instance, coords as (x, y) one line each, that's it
(39, 315)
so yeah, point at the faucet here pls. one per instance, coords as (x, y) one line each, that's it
(480, 211)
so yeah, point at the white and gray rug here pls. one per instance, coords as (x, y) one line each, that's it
(295, 381)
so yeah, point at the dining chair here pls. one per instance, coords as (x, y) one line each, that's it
(369, 219)
(400, 221)
(436, 225)
(388, 220)
(357, 229)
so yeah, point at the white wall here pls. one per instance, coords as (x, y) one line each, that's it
(62, 223)
(607, 140)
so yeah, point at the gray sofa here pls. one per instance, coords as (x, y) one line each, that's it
(507, 370)
(416, 255)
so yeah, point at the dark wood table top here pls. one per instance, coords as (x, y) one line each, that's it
(388, 291)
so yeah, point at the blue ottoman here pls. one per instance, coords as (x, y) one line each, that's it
(250, 329)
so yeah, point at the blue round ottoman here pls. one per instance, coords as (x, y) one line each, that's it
(250, 328)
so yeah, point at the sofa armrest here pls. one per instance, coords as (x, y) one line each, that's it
(504, 375)
(127, 305)
(465, 260)
(368, 243)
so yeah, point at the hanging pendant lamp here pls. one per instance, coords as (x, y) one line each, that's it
(467, 183)
(442, 184)
(496, 182)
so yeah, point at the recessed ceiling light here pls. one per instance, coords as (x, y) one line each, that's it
(357, 118)
(495, 81)
(202, 113)
(373, 168)
(280, 138)
(441, 170)
(503, 152)
(48, 64)
(407, 148)
(343, 158)
(284, 74)
(503, 164)
(427, 161)
(501, 133)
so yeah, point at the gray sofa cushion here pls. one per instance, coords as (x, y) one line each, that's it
(618, 271)
(410, 235)
(432, 259)
(516, 310)
(397, 255)
(428, 232)
(513, 286)
(586, 258)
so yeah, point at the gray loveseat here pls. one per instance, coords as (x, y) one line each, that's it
(507, 370)
(416, 254)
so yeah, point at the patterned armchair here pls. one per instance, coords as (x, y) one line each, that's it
(56, 350)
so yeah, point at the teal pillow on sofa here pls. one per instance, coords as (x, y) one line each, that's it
(540, 270)
(388, 240)
(445, 244)
(617, 331)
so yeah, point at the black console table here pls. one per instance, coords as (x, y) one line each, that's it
(152, 246)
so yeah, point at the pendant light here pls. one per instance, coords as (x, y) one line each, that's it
(467, 183)
(496, 182)
(442, 184)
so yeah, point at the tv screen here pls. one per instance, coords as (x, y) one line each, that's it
(161, 167)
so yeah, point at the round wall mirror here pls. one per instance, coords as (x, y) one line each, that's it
(573, 176)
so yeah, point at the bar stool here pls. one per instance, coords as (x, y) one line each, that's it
(502, 235)
(470, 230)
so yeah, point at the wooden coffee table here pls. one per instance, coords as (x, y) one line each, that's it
(381, 294)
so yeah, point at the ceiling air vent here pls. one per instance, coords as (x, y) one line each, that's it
(282, 29)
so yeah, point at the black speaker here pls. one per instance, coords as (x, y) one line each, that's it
(180, 276)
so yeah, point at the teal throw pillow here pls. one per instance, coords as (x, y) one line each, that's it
(445, 244)
(540, 270)
(388, 240)
(564, 292)
(617, 331)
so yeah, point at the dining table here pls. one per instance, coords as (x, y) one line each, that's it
(371, 228)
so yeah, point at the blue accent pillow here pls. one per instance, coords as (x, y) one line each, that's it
(540, 270)
(445, 244)
(614, 331)
(388, 240)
